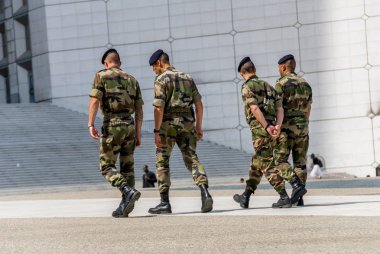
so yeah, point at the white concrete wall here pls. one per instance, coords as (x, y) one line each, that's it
(335, 44)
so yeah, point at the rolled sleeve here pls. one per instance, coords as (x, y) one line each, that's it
(278, 101)
(95, 93)
(248, 97)
(97, 88)
(139, 101)
(196, 95)
(159, 95)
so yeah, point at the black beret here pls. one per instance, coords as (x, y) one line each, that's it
(106, 54)
(285, 58)
(155, 56)
(243, 61)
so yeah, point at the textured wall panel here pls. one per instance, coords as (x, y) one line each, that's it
(207, 59)
(373, 40)
(189, 18)
(339, 94)
(263, 14)
(310, 11)
(343, 142)
(374, 74)
(76, 25)
(334, 45)
(131, 21)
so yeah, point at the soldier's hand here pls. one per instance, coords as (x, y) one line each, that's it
(94, 133)
(277, 130)
(271, 130)
(157, 140)
(199, 134)
(138, 140)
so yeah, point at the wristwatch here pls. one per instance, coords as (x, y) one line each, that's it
(156, 131)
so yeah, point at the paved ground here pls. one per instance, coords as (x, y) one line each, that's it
(335, 220)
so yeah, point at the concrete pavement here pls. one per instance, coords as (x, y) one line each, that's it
(334, 220)
(363, 205)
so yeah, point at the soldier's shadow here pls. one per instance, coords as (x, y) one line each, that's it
(222, 211)
(269, 207)
(335, 204)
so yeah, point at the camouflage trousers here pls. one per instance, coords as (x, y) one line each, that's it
(181, 132)
(295, 141)
(118, 141)
(264, 163)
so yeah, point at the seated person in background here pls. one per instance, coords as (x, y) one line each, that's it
(149, 178)
(316, 170)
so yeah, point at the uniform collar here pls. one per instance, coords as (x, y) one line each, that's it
(114, 67)
(253, 76)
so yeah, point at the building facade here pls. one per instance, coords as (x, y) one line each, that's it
(52, 49)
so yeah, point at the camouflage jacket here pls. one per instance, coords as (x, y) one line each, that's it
(258, 92)
(296, 95)
(176, 92)
(118, 92)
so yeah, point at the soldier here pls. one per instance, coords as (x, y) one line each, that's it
(174, 123)
(264, 112)
(118, 95)
(296, 96)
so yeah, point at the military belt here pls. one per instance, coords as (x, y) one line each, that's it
(123, 115)
(295, 114)
(178, 110)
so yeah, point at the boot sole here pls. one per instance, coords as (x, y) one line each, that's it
(160, 212)
(208, 205)
(282, 206)
(299, 194)
(237, 200)
(131, 205)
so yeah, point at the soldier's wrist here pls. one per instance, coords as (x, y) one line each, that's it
(90, 126)
(156, 131)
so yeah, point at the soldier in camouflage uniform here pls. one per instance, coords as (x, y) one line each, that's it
(296, 96)
(118, 95)
(263, 111)
(174, 95)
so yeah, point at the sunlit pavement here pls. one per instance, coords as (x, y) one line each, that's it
(359, 205)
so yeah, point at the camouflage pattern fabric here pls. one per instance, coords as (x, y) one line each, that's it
(118, 140)
(174, 89)
(180, 131)
(263, 163)
(296, 95)
(258, 92)
(118, 92)
(119, 95)
(176, 92)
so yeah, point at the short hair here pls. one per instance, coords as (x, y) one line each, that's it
(248, 67)
(164, 58)
(113, 57)
(290, 65)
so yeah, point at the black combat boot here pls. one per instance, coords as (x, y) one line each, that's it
(163, 207)
(300, 202)
(284, 201)
(298, 190)
(206, 199)
(243, 199)
(119, 212)
(127, 204)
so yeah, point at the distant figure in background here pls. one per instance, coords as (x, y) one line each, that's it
(316, 170)
(149, 178)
